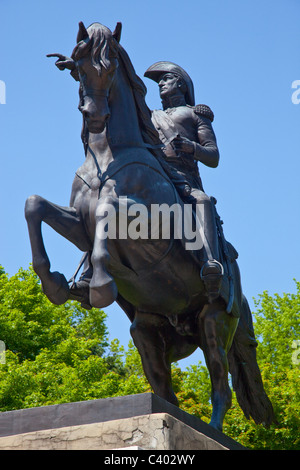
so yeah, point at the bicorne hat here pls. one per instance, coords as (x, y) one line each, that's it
(155, 71)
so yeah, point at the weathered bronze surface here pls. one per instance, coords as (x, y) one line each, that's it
(177, 299)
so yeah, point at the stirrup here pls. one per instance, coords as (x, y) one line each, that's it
(79, 291)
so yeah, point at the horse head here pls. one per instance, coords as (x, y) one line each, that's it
(96, 59)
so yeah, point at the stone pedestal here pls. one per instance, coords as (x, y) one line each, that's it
(136, 422)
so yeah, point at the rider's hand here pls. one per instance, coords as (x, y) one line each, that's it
(63, 62)
(182, 144)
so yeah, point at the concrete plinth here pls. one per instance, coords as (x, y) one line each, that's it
(142, 421)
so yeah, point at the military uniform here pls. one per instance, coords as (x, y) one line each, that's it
(184, 120)
(193, 123)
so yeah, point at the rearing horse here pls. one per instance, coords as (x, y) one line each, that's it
(155, 280)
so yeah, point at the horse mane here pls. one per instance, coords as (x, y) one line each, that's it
(103, 47)
(149, 133)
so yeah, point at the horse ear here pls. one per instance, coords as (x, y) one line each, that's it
(82, 33)
(117, 32)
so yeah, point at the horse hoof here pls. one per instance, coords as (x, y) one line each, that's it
(56, 288)
(102, 296)
(216, 426)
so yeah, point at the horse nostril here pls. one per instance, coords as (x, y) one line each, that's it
(85, 113)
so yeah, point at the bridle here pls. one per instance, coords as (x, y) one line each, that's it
(93, 92)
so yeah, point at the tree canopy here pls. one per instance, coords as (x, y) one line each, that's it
(58, 354)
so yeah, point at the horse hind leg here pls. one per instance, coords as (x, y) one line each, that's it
(64, 221)
(216, 331)
(150, 334)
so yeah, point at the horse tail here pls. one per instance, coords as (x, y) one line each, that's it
(246, 376)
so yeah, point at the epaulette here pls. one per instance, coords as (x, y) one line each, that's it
(204, 110)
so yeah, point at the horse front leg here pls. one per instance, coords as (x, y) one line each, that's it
(64, 221)
(216, 331)
(103, 289)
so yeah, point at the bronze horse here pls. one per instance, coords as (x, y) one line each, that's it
(156, 281)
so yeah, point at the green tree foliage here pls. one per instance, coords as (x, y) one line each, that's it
(57, 354)
(193, 389)
(277, 328)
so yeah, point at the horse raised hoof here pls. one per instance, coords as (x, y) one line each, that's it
(56, 288)
(104, 295)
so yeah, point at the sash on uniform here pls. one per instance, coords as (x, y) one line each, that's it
(167, 131)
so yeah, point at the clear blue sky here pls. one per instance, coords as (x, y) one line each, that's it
(242, 56)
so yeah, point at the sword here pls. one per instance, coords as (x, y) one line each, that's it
(226, 254)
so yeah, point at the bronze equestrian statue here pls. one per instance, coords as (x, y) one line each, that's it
(176, 299)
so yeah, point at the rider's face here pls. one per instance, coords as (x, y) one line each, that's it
(168, 85)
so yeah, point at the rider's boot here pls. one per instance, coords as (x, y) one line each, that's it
(80, 290)
(212, 271)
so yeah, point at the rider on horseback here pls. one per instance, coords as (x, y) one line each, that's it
(188, 137)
